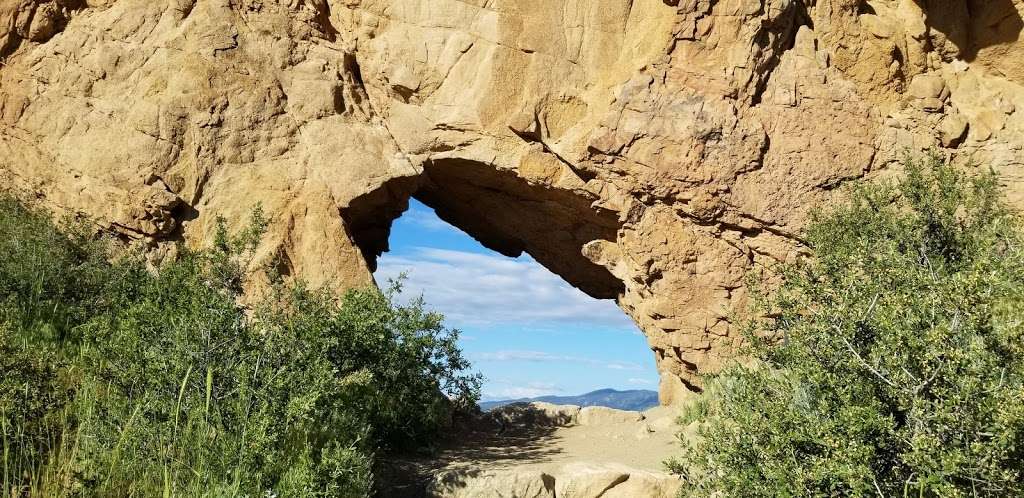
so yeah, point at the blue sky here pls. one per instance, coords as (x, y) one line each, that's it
(529, 332)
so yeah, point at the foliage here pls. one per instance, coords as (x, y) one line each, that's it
(122, 380)
(892, 363)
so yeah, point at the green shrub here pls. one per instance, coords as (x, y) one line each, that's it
(123, 381)
(892, 363)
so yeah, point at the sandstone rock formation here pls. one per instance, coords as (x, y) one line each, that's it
(650, 151)
(600, 415)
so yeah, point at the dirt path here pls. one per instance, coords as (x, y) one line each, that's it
(539, 450)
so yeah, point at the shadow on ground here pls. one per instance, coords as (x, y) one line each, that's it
(516, 434)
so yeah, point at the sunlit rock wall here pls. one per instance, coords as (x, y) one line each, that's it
(651, 151)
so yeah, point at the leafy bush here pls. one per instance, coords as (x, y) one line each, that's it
(119, 380)
(892, 363)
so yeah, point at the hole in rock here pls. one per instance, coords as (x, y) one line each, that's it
(501, 258)
(526, 329)
(500, 210)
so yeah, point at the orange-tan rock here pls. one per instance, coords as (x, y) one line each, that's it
(649, 151)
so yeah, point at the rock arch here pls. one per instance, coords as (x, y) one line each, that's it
(653, 151)
(504, 212)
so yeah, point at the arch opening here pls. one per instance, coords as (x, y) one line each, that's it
(528, 331)
(506, 264)
(502, 211)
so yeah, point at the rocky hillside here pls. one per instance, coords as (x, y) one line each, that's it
(648, 151)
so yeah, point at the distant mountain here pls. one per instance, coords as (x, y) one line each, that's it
(637, 400)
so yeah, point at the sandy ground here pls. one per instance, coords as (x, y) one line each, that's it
(643, 445)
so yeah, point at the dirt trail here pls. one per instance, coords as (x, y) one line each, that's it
(546, 451)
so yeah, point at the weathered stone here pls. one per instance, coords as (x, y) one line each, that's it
(1005, 106)
(987, 122)
(589, 481)
(925, 86)
(930, 104)
(600, 415)
(952, 130)
(490, 483)
(536, 414)
(647, 151)
(583, 480)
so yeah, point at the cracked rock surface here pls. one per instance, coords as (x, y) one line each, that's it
(650, 151)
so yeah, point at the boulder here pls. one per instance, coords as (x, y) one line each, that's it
(928, 86)
(585, 480)
(589, 481)
(510, 483)
(536, 414)
(600, 415)
(952, 130)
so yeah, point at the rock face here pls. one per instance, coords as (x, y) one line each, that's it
(648, 151)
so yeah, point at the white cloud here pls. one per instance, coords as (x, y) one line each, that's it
(542, 356)
(539, 356)
(530, 390)
(640, 382)
(426, 220)
(483, 289)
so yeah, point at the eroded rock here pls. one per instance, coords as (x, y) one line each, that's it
(647, 151)
(952, 130)
(600, 415)
(535, 414)
(487, 484)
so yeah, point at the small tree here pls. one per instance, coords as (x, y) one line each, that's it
(892, 363)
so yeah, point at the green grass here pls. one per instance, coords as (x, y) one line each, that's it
(124, 381)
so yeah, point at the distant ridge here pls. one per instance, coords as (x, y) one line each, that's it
(637, 399)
